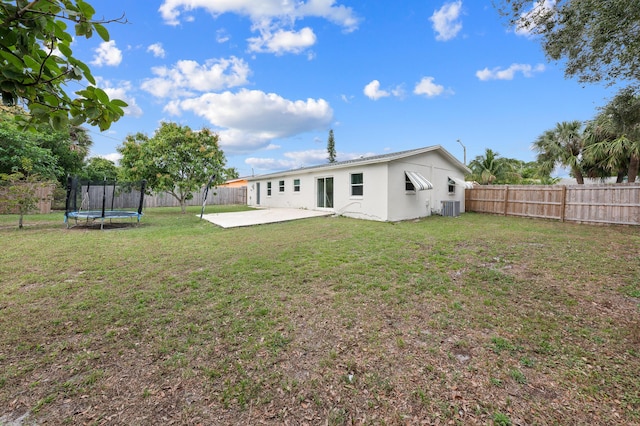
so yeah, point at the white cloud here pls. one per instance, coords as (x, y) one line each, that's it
(269, 164)
(346, 98)
(157, 50)
(297, 159)
(114, 156)
(121, 91)
(107, 54)
(250, 119)
(187, 77)
(445, 21)
(222, 36)
(264, 10)
(509, 73)
(372, 91)
(283, 41)
(273, 19)
(427, 87)
(540, 11)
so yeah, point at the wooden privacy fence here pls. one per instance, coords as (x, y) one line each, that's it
(217, 196)
(44, 193)
(606, 204)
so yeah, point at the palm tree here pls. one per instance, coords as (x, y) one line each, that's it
(562, 145)
(614, 136)
(488, 168)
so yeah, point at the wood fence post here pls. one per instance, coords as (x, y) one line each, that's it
(564, 203)
(506, 199)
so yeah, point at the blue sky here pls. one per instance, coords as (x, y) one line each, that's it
(272, 77)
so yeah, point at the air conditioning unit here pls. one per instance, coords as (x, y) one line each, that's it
(451, 208)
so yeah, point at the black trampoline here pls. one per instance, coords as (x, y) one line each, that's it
(89, 203)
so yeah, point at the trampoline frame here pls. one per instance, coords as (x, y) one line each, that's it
(72, 212)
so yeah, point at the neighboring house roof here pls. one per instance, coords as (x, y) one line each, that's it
(235, 182)
(384, 158)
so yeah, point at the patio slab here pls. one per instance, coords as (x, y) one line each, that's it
(261, 216)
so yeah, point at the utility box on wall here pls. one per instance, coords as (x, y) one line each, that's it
(451, 208)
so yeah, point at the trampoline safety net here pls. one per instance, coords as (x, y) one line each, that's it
(103, 201)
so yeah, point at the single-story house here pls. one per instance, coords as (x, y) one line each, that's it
(390, 187)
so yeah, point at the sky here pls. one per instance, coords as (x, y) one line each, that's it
(272, 77)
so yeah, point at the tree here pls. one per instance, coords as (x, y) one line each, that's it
(19, 193)
(99, 169)
(176, 160)
(20, 152)
(230, 173)
(599, 40)
(50, 154)
(488, 168)
(331, 147)
(562, 145)
(614, 135)
(37, 63)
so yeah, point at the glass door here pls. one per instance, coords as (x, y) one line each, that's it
(325, 192)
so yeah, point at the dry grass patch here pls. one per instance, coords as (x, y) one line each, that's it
(474, 320)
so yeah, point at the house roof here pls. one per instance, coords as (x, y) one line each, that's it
(384, 158)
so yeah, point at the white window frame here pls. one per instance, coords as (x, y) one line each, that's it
(356, 185)
(296, 185)
(268, 189)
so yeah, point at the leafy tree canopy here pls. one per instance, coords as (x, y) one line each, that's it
(52, 155)
(99, 169)
(562, 146)
(176, 160)
(37, 63)
(491, 168)
(230, 173)
(600, 40)
(613, 137)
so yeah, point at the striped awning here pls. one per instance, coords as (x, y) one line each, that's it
(462, 183)
(419, 182)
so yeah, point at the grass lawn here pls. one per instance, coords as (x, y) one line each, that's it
(472, 320)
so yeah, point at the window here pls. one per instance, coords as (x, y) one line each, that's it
(296, 185)
(281, 186)
(408, 185)
(357, 186)
(452, 186)
(268, 189)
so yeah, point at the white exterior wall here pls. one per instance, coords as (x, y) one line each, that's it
(371, 205)
(409, 204)
(437, 169)
(384, 196)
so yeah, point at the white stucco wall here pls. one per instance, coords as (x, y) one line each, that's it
(384, 196)
(408, 204)
(437, 169)
(371, 205)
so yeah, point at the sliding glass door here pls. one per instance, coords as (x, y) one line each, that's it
(325, 192)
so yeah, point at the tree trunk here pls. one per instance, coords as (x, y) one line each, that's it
(634, 163)
(621, 175)
(577, 173)
(20, 221)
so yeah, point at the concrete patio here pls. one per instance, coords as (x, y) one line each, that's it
(261, 216)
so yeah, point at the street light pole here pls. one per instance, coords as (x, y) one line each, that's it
(464, 150)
